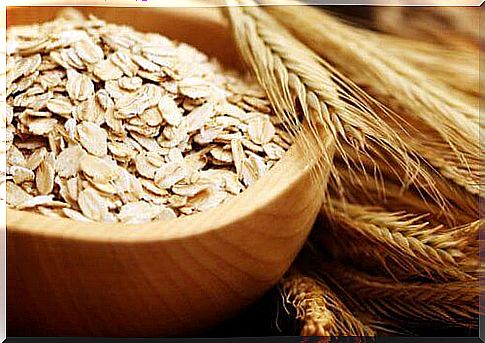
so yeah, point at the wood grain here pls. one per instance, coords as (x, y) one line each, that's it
(163, 278)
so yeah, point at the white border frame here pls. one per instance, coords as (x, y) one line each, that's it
(133, 3)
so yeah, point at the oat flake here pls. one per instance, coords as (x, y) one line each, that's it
(108, 124)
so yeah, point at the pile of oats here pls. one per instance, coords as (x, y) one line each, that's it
(108, 124)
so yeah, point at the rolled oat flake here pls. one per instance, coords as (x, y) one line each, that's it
(113, 125)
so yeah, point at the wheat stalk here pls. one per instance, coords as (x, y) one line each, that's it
(319, 309)
(300, 85)
(409, 303)
(459, 69)
(457, 27)
(459, 206)
(454, 66)
(297, 81)
(402, 244)
(452, 302)
(428, 103)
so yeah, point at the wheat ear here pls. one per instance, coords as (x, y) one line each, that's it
(409, 303)
(453, 66)
(456, 27)
(459, 206)
(393, 199)
(462, 66)
(319, 309)
(426, 102)
(399, 244)
(297, 81)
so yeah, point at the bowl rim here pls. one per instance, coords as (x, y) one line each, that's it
(280, 178)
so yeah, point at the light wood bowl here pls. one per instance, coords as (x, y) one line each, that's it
(164, 278)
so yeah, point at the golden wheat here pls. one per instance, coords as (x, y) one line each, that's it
(400, 244)
(402, 159)
(382, 186)
(459, 69)
(456, 27)
(319, 309)
(427, 103)
(297, 81)
(403, 303)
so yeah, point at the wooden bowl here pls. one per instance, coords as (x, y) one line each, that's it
(163, 278)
